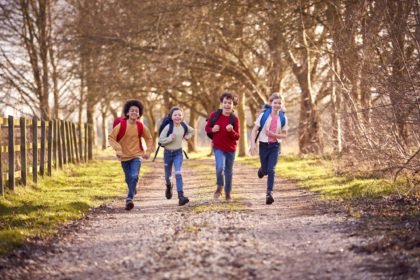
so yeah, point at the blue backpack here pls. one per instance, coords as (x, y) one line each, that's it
(267, 112)
(167, 120)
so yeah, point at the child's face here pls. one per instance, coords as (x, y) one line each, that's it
(177, 116)
(133, 113)
(276, 104)
(227, 105)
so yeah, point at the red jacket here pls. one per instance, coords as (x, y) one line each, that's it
(224, 140)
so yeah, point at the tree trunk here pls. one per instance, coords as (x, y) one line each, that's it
(335, 111)
(104, 130)
(192, 143)
(242, 123)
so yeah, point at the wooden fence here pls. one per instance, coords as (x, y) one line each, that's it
(31, 147)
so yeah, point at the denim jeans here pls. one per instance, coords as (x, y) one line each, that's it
(269, 155)
(131, 170)
(173, 158)
(224, 163)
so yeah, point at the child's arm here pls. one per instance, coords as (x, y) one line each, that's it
(208, 128)
(163, 139)
(234, 133)
(112, 138)
(149, 142)
(253, 147)
(190, 133)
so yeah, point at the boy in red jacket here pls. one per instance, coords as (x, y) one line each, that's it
(223, 127)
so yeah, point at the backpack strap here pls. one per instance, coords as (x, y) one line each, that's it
(184, 125)
(263, 119)
(282, 119)
(157, 151)
(171, 128)
(215, 117)
(232, 119)
(123, 128)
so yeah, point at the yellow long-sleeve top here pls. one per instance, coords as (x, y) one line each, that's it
(129, 143)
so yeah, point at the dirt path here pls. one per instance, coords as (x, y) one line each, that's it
(291, 239)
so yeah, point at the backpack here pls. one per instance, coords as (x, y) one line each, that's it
(267, 112)
(123, 127)
(168, 121)
(214, 119)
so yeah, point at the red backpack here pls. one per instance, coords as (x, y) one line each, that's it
(123, 128)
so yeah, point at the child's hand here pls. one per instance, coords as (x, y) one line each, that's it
(229, 127)
(269, 133)
(173, 136)
(120, 154)
(215, 128)
(253, 149)
(146, 155)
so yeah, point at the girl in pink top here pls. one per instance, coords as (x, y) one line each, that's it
(269, 142)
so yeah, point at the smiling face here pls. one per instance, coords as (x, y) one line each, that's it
(227, 106)
(276, 104)
(177, 116)
(133, 113)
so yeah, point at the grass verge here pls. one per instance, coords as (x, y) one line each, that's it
(38, 210)
(317, 174)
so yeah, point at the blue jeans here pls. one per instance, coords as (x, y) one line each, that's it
(173, 158)
(224, 163)
(131, 170)
(269, 155)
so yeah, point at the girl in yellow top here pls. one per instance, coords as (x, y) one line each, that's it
(125, 138)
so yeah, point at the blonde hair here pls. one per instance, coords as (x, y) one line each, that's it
(276, 95)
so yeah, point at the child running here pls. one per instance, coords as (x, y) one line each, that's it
(223, 127)
(125, 138)
(273, 127)
(171, 138)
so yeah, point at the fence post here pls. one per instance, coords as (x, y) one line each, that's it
(23, 168)
(50, 143)
(42, 160)
(76, 150)
(1, 161)
(59, 145)
(11, 153)
(69, 157)
(90, 142)
(55, 144)
(63, 140)
(73, 158)
(79, 134)
(35, 149)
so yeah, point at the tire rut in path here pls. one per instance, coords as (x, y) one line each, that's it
(291, 239)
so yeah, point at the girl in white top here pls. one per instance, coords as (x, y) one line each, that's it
(269, 142)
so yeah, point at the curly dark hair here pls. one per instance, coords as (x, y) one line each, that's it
(230, 96)
(131, 103)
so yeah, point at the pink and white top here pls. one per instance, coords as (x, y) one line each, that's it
(268, 126)
(273, 128)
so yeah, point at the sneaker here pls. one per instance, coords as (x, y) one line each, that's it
(269, 198)
(228, 197)
(217, 193)
(129, 205)
(260, 174)
(168, 192)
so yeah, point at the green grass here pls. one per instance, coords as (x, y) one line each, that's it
(317, 174)
(38, 210)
